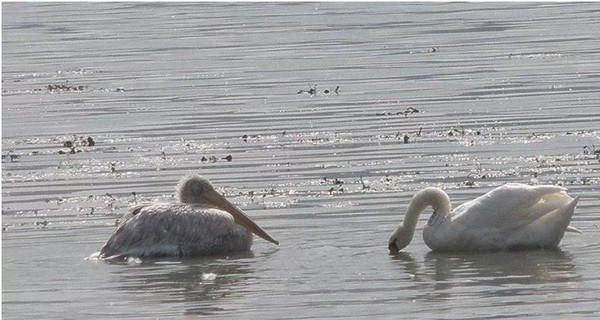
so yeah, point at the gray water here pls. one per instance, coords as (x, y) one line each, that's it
(505, 93)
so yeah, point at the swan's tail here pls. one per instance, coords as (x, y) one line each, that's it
(571, 209)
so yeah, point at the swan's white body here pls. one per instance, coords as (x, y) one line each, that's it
(204, 223)
(513, 216)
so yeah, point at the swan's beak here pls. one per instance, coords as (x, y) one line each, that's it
(215, 199)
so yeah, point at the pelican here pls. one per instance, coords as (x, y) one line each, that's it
(203, 223)
(513, 216)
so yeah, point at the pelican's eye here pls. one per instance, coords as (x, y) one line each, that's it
(393, 246)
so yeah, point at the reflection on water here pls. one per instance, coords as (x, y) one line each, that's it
(199, 284)
(520, 267)
(497, 274)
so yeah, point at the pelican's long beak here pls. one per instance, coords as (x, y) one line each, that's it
(217, 200)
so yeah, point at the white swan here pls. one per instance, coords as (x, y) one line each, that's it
(513, 216)
(204, 223)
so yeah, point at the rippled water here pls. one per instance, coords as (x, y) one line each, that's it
(504, 93)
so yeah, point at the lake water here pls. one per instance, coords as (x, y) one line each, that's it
(505, 92)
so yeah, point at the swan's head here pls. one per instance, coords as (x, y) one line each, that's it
(434, 197)
(399, 239)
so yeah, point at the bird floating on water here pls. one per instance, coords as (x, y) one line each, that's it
(511, 217)
(203, 223)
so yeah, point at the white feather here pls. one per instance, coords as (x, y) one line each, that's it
(513, 216)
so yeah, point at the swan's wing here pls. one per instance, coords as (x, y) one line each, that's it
(511, 216)
(511, 206)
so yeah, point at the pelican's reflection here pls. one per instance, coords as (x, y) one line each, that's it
(196, 283)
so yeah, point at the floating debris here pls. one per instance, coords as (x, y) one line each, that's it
(246, 137)
(228, 158)
(466, 132)
(409, 110)
(312, 91)
(451, 132)
(406, 137)
(364, 183)
(71, 150)
(82, 141)
(336, 90)
(211, 159)
(469, 183)
(10, 157)
(475, 174)
(88, 142)
(337, 184)
(589, 150)
(65, 88)
(42, 223)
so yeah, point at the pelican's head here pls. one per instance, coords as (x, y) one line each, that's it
(399, 239)
(195, 189)
(191, 188)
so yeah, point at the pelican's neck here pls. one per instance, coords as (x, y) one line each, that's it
(434, 197)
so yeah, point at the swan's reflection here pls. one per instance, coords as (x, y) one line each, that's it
(496, 274)
(198, 284)
(499, 268)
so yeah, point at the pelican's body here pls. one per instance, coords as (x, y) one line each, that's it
(513, 216)
(204, 223)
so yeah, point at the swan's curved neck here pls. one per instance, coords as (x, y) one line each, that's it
(434, 197)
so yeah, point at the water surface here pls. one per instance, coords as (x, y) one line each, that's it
(504, 93)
